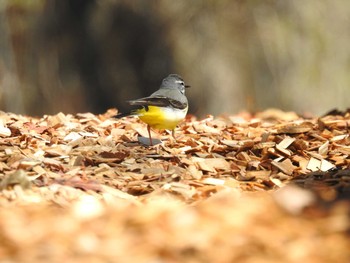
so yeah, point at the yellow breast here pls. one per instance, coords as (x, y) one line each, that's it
(162, 117)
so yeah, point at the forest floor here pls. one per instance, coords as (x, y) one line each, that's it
(273, 187)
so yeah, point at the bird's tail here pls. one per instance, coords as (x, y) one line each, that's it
(121, 115)
(133, 112)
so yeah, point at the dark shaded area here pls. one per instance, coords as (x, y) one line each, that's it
(128, 53)
(330, 186)
(337, 112)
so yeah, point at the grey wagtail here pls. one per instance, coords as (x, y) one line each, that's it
(163, 109)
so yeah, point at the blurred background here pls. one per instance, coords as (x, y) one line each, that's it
(91, 55)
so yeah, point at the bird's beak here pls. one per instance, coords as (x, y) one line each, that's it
(187, 86)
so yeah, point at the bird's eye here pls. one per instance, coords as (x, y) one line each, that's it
(180, 82)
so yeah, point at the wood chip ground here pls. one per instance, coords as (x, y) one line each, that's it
(273, 187)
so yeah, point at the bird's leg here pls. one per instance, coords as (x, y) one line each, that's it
(173, 134)
(149, 134)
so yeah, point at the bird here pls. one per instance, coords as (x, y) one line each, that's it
(165, 108)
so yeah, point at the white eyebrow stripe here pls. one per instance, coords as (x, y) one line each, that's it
(179, 81)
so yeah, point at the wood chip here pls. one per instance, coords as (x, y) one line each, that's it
(4, 131)
(326, 166)
(263, 145)
(295, 129)
(262, 174)
(339, 137)
(314, 164)
(213, 181)
(284, 144)
(285, 166)
(323, 150)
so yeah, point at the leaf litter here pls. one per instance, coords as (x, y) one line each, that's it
(267, 188)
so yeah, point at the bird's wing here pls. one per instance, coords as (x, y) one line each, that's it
(160, 101)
